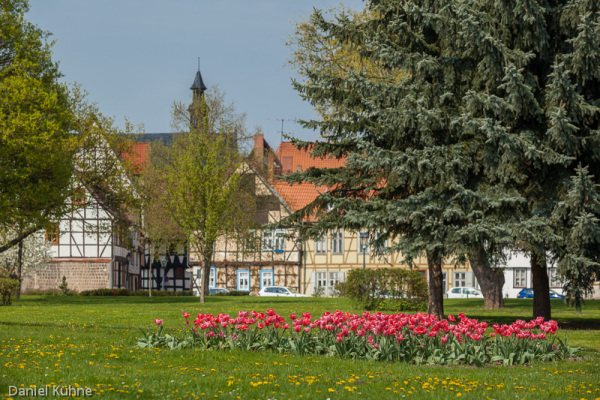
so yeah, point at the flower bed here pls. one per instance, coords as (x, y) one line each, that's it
(417, 338)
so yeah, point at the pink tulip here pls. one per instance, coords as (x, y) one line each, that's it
(158, 321)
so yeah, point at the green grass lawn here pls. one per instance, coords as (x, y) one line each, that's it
(90, 342)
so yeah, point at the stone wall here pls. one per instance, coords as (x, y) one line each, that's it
(80, 275)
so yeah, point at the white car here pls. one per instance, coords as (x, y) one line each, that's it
(280, 291)
(464, 293)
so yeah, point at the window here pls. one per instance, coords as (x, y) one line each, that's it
(243, 280)
(456, 290)
(279, 240)
(460, 279)
(212, 277)
(380, 247)
(321, 280)
(555, 278)
(179, 273)
(334, 278)
(78, 196)
(321, 245)
(520, 277)
(273, 240)
(326, 281)
(267, 241)
(266, 278)
(337, 242)
(52, 234)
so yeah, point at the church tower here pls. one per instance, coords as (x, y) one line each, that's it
(198, 109)
(198, 88)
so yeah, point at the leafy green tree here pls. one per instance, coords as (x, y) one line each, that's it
(36, 142)
(472, 150)
(52, 140)
(201, 175)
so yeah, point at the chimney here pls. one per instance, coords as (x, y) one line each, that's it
(259, 149)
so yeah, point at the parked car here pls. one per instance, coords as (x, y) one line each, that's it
(280, 291)
(464, 293)
(528, 294)
(218, 291)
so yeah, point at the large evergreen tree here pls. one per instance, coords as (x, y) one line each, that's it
(472, 150)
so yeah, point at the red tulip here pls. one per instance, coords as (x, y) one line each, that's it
(158, 321)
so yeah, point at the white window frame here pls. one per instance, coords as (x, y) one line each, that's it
(321, 245)
(266, 243)
(266, 278)
(273, 240)
(321, 279)
(380, 249)
(212, 278)
(337, 242)
(333, 278)
(554, 278)
(460, 279)
(279, 239)
(520, 277)
(246, 287)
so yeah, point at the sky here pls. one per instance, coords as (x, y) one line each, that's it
(136, 57)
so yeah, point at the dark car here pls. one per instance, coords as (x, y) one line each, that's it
(218, 291)
(528, 294)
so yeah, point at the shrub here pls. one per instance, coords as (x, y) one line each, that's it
(340, 290)
(387, 289)
(63, 286)
(48, 292)
(233, 293)
(9, 285)
(127, 292)
(318, 291)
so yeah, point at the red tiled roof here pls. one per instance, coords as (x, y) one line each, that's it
(298, 196)
(139, 156)
(304, 159)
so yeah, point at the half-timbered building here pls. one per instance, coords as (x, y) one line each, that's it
(261, 257)
(88, 249)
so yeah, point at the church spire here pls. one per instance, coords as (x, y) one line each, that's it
(198, 87)
(198, 104)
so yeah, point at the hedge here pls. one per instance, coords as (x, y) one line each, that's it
(387, 289)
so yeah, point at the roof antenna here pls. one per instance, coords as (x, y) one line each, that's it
(282, 121)
(198, 63)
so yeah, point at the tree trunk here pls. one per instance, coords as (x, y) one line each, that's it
(436, 281)
(541, 286)
(205, 279)
(19, 267)
(150, 273)
(490, 279)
